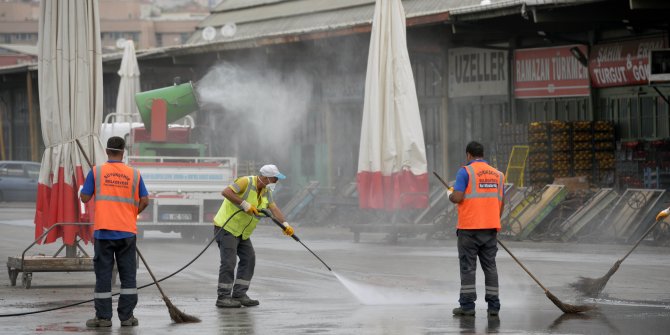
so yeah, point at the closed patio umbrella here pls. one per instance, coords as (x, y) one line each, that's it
(129, 84)
(392, 169)
(70, 92)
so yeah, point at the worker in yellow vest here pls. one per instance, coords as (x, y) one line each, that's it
(478, 193)
(120, 195)
(238, 217)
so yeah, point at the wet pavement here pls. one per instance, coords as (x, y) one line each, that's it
(406, 288)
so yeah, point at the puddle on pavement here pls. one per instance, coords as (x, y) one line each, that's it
(630, 303)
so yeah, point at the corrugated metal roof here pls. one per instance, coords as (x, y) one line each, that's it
(21, 48)
(502, 4)
(226, 5)
(305, 16)
(18, 68)
(279, 10)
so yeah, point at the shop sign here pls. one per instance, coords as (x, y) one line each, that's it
(477, 72)
(550, 72)
(622, 63)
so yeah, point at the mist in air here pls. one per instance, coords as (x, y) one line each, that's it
(261, 107)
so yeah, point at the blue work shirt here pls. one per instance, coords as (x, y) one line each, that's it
(104, 234)
(462, 177)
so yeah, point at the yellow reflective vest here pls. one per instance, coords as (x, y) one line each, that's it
(242, 223)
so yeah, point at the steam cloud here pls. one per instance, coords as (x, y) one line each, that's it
(263, 103)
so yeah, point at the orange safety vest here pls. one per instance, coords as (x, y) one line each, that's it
(117, 197)
(480, 208)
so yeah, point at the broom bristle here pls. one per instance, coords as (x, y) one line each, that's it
(591, 287)
(567, 308)
(178, 316)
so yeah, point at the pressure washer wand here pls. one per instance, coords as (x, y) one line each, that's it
(295, 237)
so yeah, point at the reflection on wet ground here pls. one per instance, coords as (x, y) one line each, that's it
(413, 286)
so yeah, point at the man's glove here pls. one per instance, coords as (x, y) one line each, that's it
(450, 190)
(288, 230)
(249, 208)
(662, 214)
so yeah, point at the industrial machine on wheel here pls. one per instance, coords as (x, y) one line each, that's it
(184, 183)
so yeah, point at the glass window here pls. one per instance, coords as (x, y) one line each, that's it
(14, 170)
(662, 118)
(623, 117)
(159, 39)
(33, 170)
(647, 117)
(634, 113)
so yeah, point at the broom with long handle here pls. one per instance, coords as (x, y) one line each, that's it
(175, 314)
(593, 286)
(566, 308)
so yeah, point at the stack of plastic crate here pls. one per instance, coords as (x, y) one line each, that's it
(551, 154)
(604, 152)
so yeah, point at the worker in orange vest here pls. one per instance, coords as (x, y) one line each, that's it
(120, 195)
(478, 193)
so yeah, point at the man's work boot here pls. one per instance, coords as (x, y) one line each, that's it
(459, 311)
(246, 301)
(97, 322)
(131, 322)
(492, 313)
(227, 302)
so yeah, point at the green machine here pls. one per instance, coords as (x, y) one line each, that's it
(157, 109)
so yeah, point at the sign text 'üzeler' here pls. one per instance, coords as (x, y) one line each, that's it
(477, 72)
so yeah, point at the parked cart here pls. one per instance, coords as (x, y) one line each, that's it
(42, 263)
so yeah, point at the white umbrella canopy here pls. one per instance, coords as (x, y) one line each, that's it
(392, 168)
(70, 93)
(128, 85)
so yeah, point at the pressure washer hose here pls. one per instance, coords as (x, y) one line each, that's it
(139, 288)
(294, 236)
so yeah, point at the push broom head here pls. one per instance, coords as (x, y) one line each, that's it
(591, 287)
(567, 308)
(178, 316)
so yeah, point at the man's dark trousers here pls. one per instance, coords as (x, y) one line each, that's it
(231, 247)
(124, 250)
(482, 243)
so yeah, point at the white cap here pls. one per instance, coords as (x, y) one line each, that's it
(271, 170)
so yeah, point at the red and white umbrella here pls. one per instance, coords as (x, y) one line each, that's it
(70, 92)
(392, 169)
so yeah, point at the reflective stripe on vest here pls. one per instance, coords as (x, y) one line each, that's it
(242, 224)
(116, 197)
(480, 208)
(475, 191)
(130, 200)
